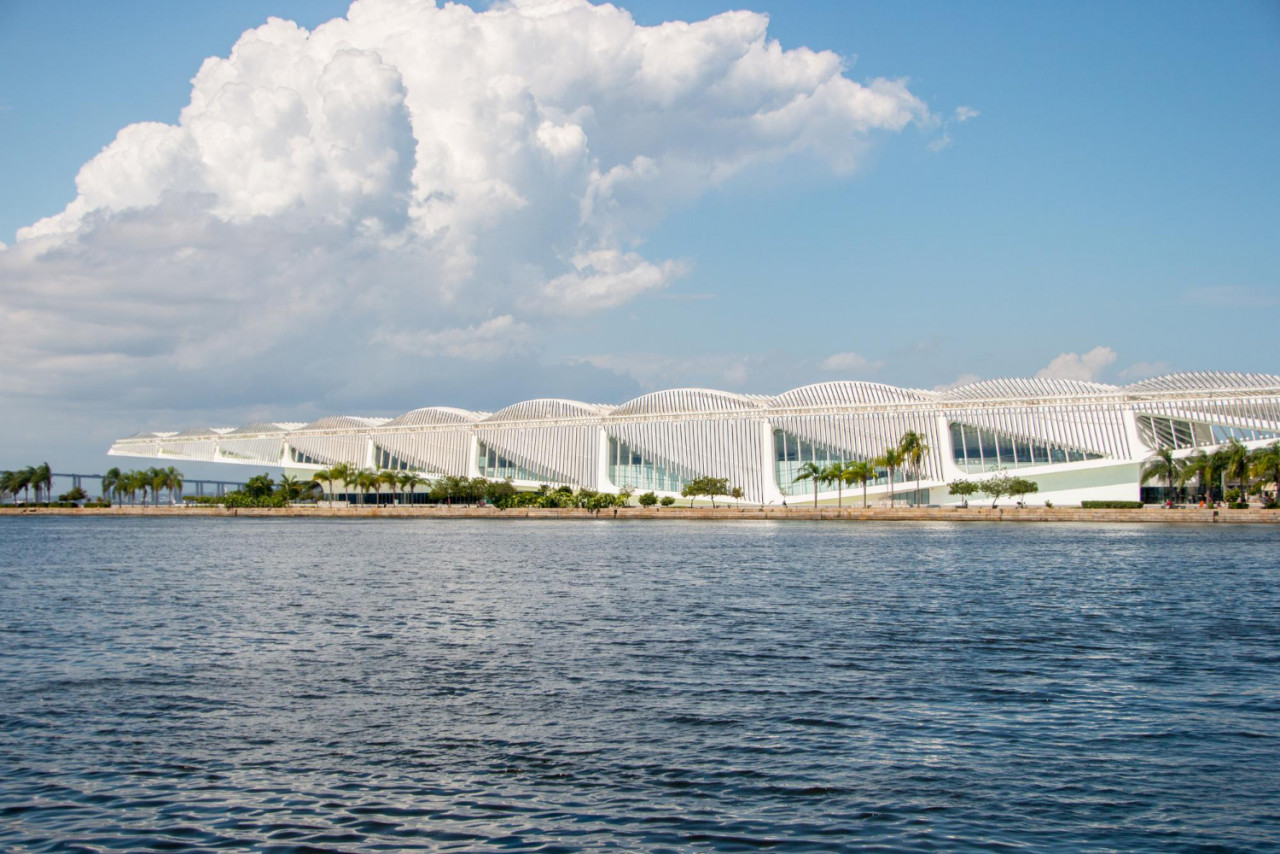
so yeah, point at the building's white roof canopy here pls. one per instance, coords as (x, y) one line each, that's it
(547, 409)
(1036, 387)
(689, 400)
(343, 422)
(436, 415)
(844, 393)
(1205, 381)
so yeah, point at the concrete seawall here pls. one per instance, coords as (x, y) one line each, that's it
(1158, 515)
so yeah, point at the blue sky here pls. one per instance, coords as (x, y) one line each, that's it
(1112, 192)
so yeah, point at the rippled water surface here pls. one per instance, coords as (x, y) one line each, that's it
(296, 685)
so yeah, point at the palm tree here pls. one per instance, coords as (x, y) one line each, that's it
(892, 459)
(834, 473)
(111, 483)
(345, 475)
(8, 483)
(861, 471)
(1205, 467)
(290, 488)
(914, 449)
(1162, 465)
(390, 479)
(173, 483)
(28, 481)
(159, 481)
(324, 476)
(367, 481)
(409, 481)
(1235, 464)
(44, 482)
(808, 471)
(1266, 466)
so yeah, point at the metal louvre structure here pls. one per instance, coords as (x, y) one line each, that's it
(1075, 439)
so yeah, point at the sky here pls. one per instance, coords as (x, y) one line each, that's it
(213, 218)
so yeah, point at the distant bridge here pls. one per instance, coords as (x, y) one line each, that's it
(189, 487)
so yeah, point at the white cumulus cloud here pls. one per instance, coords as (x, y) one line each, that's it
(1073, 366)
(397, 176)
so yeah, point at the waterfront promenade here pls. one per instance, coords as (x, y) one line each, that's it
(1156, 514)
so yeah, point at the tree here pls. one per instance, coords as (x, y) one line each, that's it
(914, 450)
(366, 481)
(810, 471)
(75, 494)
(1162, 466)
(648, 499)
(995, 486)
(44, 482)
(259, 486)
(860, 471)
(892, 459)
(1235, 464)
(346, 475)
(388, 478)
(1203, 467)
(173, 482)
(736, 493)
(667, 501)
(834, 473)
(1266, 466)
(708, 486)
(1021, 486)
(159, 480)
(963, 488)
(111, 483)
(290, 488)
(499, 492)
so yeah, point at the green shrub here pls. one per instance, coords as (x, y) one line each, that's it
(1111, 505)
(1238, 505)
(648, 499)
(1232, 496)
(667, 501)
(102, 502)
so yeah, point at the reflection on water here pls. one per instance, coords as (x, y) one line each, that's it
(551, 686)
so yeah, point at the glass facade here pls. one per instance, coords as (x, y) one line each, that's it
(1158, 432)
(976, 449)
(790, 453)
(384, 459)
(495, 466)
(305, 458)
(629, 468)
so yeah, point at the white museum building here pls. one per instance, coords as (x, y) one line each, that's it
(1076, 440)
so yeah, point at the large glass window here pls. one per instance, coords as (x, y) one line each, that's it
(1158, 432)
(977, 450)
(792, 452)
(495, 466)
(629, 468)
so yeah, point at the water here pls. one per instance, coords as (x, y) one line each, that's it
(295, 685)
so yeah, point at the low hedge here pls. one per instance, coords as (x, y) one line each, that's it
(1239, 505)
(1111, 505)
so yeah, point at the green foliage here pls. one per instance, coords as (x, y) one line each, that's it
(258, 486)
(963, 488)
(667, 501)
(1238, 505)
(708, 486)
(241, 498)
(1232, 495)
(995, 487)
(1020, 486)
(649, 499)
(1111, 505)
(74, 494)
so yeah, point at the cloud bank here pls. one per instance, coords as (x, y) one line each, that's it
(411, 178)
